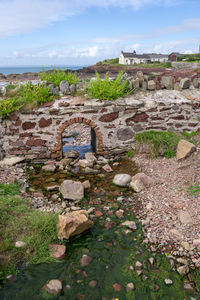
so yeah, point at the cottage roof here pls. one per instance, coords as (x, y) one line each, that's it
(133, 55)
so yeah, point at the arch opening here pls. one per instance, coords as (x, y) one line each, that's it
(79, 137)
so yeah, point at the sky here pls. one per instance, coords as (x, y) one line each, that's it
(83, 32)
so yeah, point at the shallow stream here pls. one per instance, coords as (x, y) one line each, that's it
(114, 251)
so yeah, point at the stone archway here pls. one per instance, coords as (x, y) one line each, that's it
(95, 131)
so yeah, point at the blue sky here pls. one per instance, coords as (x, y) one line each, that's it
(82, 32)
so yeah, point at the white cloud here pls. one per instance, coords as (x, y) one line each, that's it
(22, 16)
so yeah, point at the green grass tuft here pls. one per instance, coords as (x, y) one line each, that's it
(160, 142)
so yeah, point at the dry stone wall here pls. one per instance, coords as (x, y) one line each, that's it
(39, 133)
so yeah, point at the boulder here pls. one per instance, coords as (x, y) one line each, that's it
(2, 91)
(185, 83)
(72, 190)
(57, 251)
(53, 287)
(167, 82)
(140, 181)
(64, 87)
(151, 85)
(73, 223)
(11, 161)
(49, 168)
(184, 149)
(72, 88)
(122, 179)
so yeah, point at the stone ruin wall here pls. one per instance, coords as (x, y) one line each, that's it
(38, 134)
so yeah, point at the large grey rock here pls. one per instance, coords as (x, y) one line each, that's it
(73, 223)
(72, 89)
(11, 161)
(184, 149)
(140, 181)
(64, 87)
(2, 91)
(72, 190)
(167, 82)
(151, 85)
(122, 179)
(125, 134)
(54, 287)
(185, 83)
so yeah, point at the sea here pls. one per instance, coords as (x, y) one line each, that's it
(23, 69)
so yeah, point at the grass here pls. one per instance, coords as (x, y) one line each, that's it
(160, 142)
(194, 190)
(189, 58)
(163, 143)
(106, 89)
(115, 62)
(19, 222)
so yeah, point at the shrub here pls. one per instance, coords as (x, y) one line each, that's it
(8, 106)
(39, 93)
(107, 90)
(56, 76)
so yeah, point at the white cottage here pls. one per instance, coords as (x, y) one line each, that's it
(131, 58)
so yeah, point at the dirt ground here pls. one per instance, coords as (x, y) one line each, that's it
(170, 212)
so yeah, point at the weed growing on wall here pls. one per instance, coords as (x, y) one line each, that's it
(106, 89)
(56, 76)
(8, 106)
(26, 95)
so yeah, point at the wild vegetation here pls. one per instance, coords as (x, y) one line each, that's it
(162, 142)
(56, 76)
(25, 95)
(189, 57)
(19, 222)
(106, 89)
